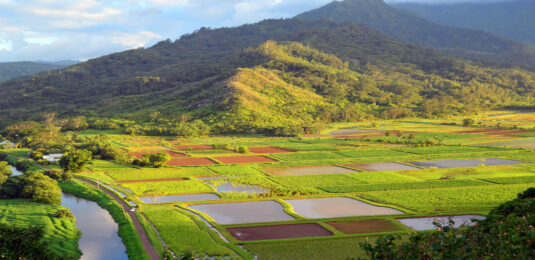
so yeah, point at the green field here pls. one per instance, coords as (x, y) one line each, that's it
(167, 187)
(61, 234)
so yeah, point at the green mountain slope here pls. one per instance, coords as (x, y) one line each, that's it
(237, 80)
(511, 19)
(409, 27)
(12, 70)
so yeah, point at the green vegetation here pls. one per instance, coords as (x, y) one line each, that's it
(234, 170)
(127, 231)
(506, 232)
(315, 180)
(450, 199)
(33, 185)
(161, 173)
(310, 156)
(402, 186)
(75, 161)
(184, 232)
(167, 187)
(371, 153)
(60, 234)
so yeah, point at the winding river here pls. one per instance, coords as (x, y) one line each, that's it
(99, 238)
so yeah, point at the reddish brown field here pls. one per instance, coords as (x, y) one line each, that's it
(245, 159)
(269, 150)
(279, 232)
(364, 226)
(193, 146)
(190, 162)
(154, 180)
(171, 153)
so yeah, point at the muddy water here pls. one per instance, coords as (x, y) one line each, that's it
(307, 170)
(230, 187)
(99, 238)
(427, 222)
(466, 163)
(338, 207)
(245, 212)
(16, 172)
(179, 198)
(382, 167)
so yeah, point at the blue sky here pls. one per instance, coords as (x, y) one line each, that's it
(82, 29)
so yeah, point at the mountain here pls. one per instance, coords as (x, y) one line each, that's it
(11, 70)
(407, 26)
(510, 19)
(271, 74)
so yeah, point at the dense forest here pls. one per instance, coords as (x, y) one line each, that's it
(407, 26)
(510, 19)
(12, 70)
(275, 76)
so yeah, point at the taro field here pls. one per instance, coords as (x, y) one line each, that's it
(317, 196)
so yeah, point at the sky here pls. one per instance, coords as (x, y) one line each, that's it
(53, 30)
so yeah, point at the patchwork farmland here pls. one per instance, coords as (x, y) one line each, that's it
(319, 195)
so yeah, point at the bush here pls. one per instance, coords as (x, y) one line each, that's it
(75, 161)
(3, 156)
(159, 159)
(243, 149)
(23, 165)
(64, 213)
(468, 122)
(36, 155)
(59, 175)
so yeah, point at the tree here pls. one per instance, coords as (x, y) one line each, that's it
(159, 159)
(41, 188)
(5, 171)
(23, 243)
(468, 122)
(75, 161)
(23, 165)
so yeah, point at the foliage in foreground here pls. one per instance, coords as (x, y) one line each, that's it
(507, 233)
(23, 243)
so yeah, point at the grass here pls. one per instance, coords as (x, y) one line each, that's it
(449, 149)
(450, 199)
(403, 186)
(512, 180)
(371, 153)
(307, 156)
(61, 234)
(315, 180)
(235, 170)
(127, 231)
(158, 173)
(167, 187)
(381, 177)
(345, 248)
(182, 233)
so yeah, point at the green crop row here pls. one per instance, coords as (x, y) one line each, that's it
(403, 186)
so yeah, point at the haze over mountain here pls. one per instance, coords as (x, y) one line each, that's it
(12, 70)
(409, 27)
(511, 19)
(272, 74)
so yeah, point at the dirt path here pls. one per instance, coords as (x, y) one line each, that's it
(151, 252)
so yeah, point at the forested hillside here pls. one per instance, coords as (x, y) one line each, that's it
(407, 26)
(266, 77)
(12, 70)
(511, 19)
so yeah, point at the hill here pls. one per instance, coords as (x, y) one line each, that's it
(12, 70)
(267, 76)
(511, 19)
(407, 26)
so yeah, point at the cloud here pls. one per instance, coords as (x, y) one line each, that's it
(83, 29)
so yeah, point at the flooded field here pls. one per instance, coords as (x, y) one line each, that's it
(232, 187)
(279, 232)
(381, 167)
(364, 226)
(466, 163)
(180, 198)
(426, 223)
(337, 207)
(307, 170)
(244, 212)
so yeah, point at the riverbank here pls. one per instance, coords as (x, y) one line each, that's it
(127, 230)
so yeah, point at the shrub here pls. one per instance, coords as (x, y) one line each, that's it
(75, 161)
(23, 165)
(3, 156)
(243, 149)
(64, 213)
(468, 122)
(159, 159)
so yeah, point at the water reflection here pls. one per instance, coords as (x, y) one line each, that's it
(99, 238)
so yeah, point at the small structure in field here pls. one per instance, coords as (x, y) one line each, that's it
(7, 144)
(53, 157)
